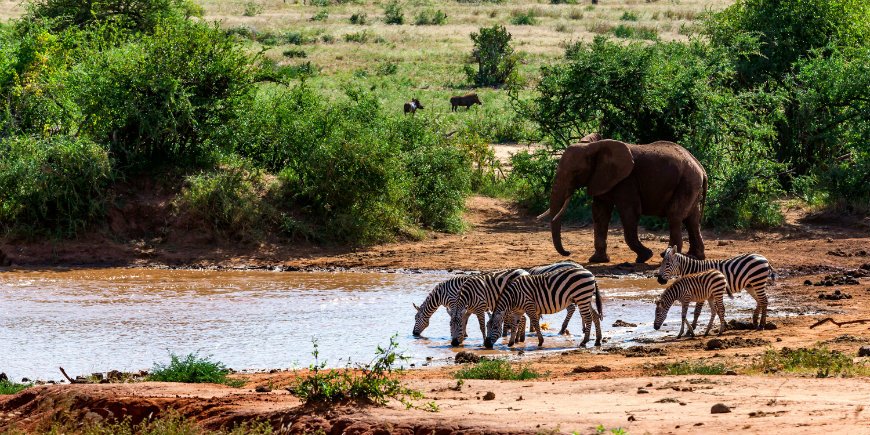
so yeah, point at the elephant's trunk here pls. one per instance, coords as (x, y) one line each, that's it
(556, 229)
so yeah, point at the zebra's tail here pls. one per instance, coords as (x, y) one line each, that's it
(598, 303)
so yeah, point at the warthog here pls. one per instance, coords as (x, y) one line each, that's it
(465, 100)
(412, 106)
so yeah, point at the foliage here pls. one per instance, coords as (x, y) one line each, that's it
(169, 423)
(497, 369)
(321, 15)
(635, 32)
(520, 18)
(56, 185)
(373, 383)
(135, 15)
(818, 360)
(693, 368)
(192, 369)
(494, 56)
(252, 9)
(358, 18)
(430, 17)
(393, 13)
(9, 387)
(601, 430)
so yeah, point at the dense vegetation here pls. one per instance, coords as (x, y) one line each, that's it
(95, 94)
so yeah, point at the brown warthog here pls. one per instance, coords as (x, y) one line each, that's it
(412, 106)
(465, 100)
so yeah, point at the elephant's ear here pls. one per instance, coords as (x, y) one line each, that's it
(612, 162)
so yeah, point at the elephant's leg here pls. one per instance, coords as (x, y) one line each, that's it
(629, 216)
(676, 230)
(693, 227)
(601, 213)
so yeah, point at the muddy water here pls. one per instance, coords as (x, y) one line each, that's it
(126, 319)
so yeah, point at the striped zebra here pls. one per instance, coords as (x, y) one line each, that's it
(535, 295)
(540, 270)
(477, 296)
(699, 287)
(444, 294)
(748, 271)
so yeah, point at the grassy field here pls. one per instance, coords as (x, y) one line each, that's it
(426, 61)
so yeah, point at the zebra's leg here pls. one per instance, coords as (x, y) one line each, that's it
(761, 306)
(481, 319)
(714, 309)
(597, 319)
(685, 322)
(698, 307)
(521, 330)
(465, 325)
(586, 316)
(534, 320)
(564, 330)
(721, 311)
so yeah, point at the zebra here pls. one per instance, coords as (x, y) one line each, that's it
(749, 271)
(698, 287)
(540, 270)
(477, 296)
(546, 294)
(444, 294)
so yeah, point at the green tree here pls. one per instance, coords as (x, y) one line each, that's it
(494, 55)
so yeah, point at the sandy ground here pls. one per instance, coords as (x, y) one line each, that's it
(804, 249)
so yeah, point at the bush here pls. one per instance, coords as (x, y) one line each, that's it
(520, 18)
(693, 368)
(496, 369)
(817, 360)
(252, 9)
(167, 423)
(321, 15)
(393, 13)
(7, 387)
(430, 17)
(494, 55)
(136, 15)
(358, 18)
(192, 369)
(374, 383)
(628, 16)
(294, 53)
(358, 37)
(160, 99)
(55, 185)
(629, 32)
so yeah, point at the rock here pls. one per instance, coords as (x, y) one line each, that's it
(466, 357)
(631, 418)
(97, 376)
(25, 380)
(778, 339)
(865, 266)
(735, 325)
(714, 344)
(3, 377)
(623, 324)
(731, 373)
(864, 351)
(720, 408)
(835, 296)
(489, 396)
(263, 389)
(114, 376)
(593, 369)
(808, 282)
(642, 391)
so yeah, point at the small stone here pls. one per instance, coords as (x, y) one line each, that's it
(3, 377)
(631, 418)
(593, 369)
(466, 357)
(720, 408)
(263, 389)
(623, 324)
(489, 396)
(642, 391)
(864, 351)
(808, 282)
(714, 344)
(731, 373)
(778, 339)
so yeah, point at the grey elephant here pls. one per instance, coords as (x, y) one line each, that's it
(658, 179)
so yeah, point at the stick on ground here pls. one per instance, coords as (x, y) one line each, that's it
(839, 324)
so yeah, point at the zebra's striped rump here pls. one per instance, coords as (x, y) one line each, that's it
(747, 271)
(702, 287)
(444, 294)
(478, 295)
(550, 293)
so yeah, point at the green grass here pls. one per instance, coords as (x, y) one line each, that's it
(192, 369)
(497, 369)
(629, 32)
(7, 387)
(171, 423)
(817, 360)
(694, 368)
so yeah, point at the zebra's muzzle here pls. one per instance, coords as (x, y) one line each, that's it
(455, 342)
(487, 343)
(661, 280)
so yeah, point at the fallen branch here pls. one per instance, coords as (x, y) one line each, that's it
(839, 324)
(71, 380)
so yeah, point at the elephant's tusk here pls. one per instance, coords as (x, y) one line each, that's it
(543, 215)
(562, 210)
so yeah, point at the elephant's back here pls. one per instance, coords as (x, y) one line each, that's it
(665, 151)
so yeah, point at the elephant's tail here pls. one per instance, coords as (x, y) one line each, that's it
(703, 199)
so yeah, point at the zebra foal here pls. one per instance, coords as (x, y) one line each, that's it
(748, 271)
(700, 287)
(444, 294)
(550, 293)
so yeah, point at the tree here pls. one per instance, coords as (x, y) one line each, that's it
(494, 55)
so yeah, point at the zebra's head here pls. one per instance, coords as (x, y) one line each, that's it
(662, 308)
(668, 268)
(494, 328)
(421, 321)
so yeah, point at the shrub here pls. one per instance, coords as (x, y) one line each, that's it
(693, 368)
(496, 369)
(387, 68)
(393, 13)
(294, 53)
(818, 360)
(430, 17)
(136, 15)
(494, 55)
(358, 37)
(298, 38)
(7, 387)
(623, 31)
(192, 369)
(321, 15)
(167, 423)
(358, 18)
(523, 18)
(441, 182)
(374, 383)
(56, 185)
(563, 2)
(252, 9)
(628, 16)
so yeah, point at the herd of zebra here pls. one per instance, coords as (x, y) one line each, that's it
(512, 294)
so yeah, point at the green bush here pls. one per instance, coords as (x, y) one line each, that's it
(430, 17)
(358, 37)
(160, 99)
(321, 15)
(817, 360)
(635, 32)
(56, 185)
(693, 368)
(359, 18)
(496, 369)
(166, 423)
(136, 15)
(192, 369)
(628, 16)
(252, 9)
(393, 13)
(8, 387)
(521, 18)
(494, 56)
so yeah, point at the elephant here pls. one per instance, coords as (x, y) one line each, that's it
(658, 179)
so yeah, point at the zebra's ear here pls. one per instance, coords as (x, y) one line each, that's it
(415, 306)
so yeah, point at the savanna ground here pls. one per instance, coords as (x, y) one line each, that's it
(426, 61)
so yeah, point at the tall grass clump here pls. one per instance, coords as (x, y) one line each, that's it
(191, 369)
(524, 18)
(393, 13)
(817, 360)
(8, 387)
(165, 423)
(693, 368)
(430, 17)
(496, 369)
(56, 185)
